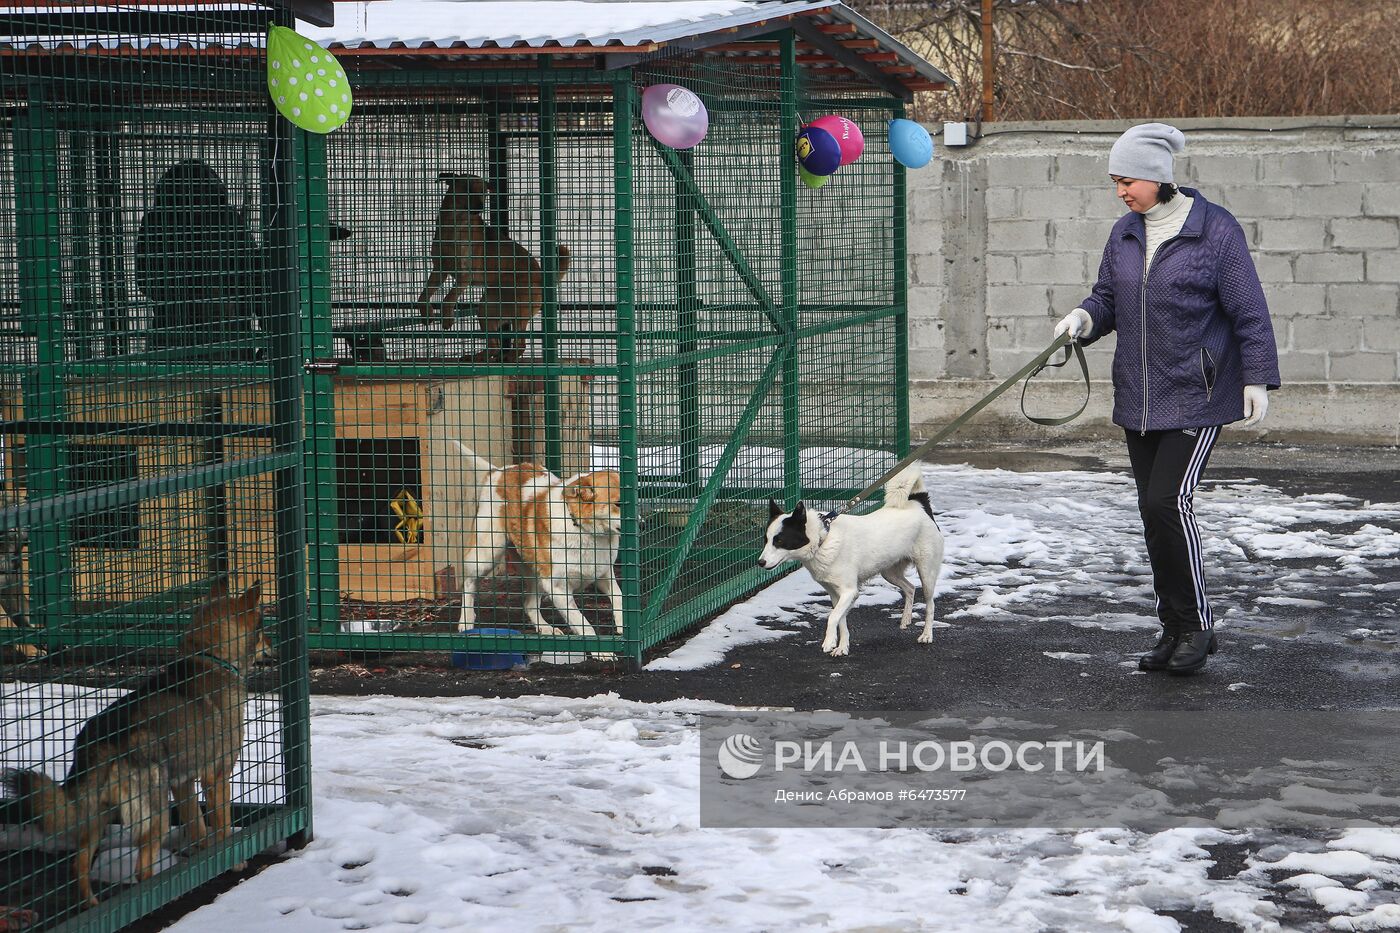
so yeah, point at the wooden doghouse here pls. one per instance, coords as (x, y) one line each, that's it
(395, 436)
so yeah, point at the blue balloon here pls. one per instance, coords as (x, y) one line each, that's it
(818, 151)
(910, 143)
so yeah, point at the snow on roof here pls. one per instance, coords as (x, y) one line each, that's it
(439, 26)
(489, 28)
(538, 23)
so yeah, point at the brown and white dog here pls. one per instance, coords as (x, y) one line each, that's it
(468, 250)
(566, 532)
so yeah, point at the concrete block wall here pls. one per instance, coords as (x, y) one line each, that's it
(1006, 236)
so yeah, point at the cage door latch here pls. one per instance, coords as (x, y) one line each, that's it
(329, 367)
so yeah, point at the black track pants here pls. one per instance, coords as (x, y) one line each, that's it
(1167, 465)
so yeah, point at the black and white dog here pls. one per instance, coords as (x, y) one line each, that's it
(900, 534)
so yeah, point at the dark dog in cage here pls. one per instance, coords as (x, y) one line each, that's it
(198, 262)
(183, 724)
(14, 602)
(470, 251)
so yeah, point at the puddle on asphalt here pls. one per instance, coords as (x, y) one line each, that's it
(1382, 642)
(1017, 461)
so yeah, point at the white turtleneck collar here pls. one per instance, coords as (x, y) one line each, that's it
(1164, 221)
(1163, 212)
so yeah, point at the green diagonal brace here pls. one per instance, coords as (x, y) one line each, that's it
(717, 230)
(712, 487)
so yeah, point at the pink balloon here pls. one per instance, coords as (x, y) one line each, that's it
(847, 134)
(674, 115)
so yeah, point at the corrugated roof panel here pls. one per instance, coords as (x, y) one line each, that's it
(537, 23)
(491, 28)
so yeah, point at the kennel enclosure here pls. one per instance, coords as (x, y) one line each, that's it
(216, 366)
(716, 332)
(151, 451)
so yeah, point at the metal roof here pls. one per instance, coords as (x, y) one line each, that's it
(487, 28)
(834, 39)
(481, 24)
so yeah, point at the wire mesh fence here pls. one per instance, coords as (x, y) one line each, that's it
(488, 370)
(568, 364)
(153, 689)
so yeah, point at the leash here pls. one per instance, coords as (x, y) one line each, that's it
(1028, 372)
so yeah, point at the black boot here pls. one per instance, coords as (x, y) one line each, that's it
(1159, 654)
(1191, 652)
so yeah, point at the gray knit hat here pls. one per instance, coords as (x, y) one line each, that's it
(1145, 152)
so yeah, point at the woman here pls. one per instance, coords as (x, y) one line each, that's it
(1195, 352)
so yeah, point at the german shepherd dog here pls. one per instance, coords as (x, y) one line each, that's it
(470, 251)
(184, 723)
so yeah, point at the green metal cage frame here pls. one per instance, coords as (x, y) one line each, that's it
(300, 428)
(649, 620)
(310, 459)
(43, 106)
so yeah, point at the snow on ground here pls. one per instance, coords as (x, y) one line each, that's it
(545, 813)
(1018, 541)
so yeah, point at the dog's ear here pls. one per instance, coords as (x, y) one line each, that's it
(252, 596)
(774, 510)
(800, 513)
(220, 588)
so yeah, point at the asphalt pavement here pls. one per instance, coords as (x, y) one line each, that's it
(1296, 657)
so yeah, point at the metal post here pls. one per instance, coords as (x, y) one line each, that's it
(900, 289)
(629, 551)
(318, 387)
(215, 497)
(79, 235)
(792, 400)
(687, 323)
(498, 171)
(38, 209)
(116, 299)
(549, 260)
(283, 182)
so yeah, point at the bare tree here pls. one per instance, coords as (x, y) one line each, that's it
(1100, 59)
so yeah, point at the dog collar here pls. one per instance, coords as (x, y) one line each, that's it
(226, 665)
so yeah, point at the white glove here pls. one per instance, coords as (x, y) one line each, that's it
(1077, 322)
(1256, 404)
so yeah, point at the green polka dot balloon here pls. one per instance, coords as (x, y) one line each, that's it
(307, 84)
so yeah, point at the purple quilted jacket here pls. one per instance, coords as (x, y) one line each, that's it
(1193, 332)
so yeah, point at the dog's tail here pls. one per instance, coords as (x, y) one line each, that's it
(478, 464)
(43, 800)
(906, 484)
(563, 260)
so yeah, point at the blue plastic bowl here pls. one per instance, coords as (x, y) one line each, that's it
(484, 660)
